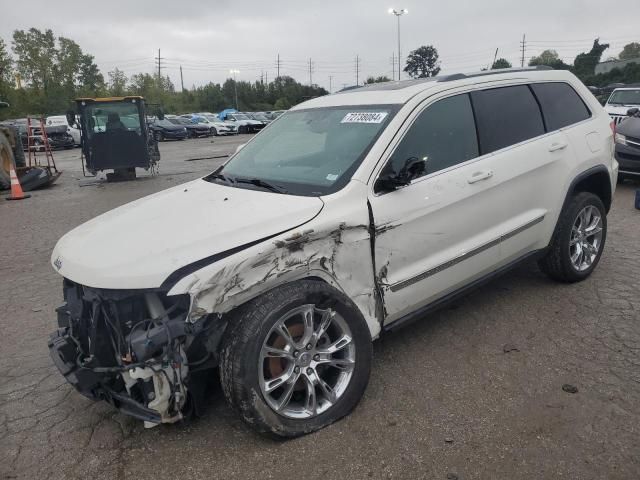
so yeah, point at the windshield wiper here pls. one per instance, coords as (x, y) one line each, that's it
(220, 176)
(258, 182)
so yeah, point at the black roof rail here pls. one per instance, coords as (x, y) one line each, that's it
(461, 76)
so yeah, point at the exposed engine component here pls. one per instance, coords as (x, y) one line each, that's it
(130, 348)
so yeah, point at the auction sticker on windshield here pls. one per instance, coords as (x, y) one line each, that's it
(364, 117)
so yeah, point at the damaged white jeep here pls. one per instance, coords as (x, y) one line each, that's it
(351, 215)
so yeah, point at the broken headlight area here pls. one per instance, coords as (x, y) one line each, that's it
(134, 349)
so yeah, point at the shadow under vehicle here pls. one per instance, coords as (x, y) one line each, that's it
(115, 136)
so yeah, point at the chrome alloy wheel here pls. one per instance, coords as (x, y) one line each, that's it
(586, 238)
(306, 362)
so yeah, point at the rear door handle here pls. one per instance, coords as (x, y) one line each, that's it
(479, 176)
(558, 146)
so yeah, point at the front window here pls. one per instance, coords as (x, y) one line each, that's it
(307, 152)
(106, 117)
(625, 97)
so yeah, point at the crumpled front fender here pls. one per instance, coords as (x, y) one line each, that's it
(337, 254)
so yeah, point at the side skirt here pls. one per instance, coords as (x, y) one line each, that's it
(466, 289)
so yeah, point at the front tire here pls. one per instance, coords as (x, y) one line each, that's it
(579, 239)
(295, 359)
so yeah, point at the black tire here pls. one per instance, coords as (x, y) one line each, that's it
(214, 131)
(621, 178)
(557, 261)
(243, 340)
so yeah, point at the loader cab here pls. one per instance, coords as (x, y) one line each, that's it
(115, 135)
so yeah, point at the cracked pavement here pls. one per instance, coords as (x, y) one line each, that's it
(472, 391)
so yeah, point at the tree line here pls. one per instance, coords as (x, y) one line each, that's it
(45, 73)
(425, 62)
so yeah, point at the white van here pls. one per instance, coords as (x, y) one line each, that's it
(351, 215)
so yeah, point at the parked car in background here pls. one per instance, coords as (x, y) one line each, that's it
(620, 101)
(242, 122)
(628, 145)
(165, 130)
(217, 126)
(57, 120)
(259, 117)
(352, 215)
(57, 135)
(194, 129)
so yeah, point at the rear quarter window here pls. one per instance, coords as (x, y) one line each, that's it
(561, 105)
(506, 116)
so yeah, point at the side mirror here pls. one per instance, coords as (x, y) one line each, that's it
(632, 112)
(389, 181)
(71, 118)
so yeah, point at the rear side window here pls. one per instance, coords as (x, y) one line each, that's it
(506, 116)
(561, 105)
(444, 135)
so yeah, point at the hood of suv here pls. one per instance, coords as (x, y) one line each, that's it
(138, 245)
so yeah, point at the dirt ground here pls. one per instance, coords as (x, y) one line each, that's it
(473, 391)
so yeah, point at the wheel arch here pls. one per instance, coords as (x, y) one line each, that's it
(596, 180)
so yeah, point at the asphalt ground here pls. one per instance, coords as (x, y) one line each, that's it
(472, 391)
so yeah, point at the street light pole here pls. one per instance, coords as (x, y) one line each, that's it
(235, 85)
(398, 14)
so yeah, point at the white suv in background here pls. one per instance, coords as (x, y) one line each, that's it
(353, 214)
(620, 101)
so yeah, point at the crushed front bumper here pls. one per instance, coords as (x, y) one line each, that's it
(63, 351)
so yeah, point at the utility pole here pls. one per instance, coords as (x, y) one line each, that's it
(524, 47)
(278, 67)
(310, 73)
(357, 69)
(330, 83)
(159, 60)
(266, 77)
(181, 79)
(495, 57)
(393, 65)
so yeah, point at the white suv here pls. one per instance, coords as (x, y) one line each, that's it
(620, 101)
(351, 215)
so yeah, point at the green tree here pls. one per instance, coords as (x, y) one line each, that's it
(379, 79)
(630, 50)
(585, 63)
(35, 55)
(117, 82)
(423, 62)
(549, 58)
(501, 63)
(5, 66)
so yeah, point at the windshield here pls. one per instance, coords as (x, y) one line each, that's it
(212, 118)
(163, 123)
(308, 152)
(625, 97)
(114, 116)
(238, 116)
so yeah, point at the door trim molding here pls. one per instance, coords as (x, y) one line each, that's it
(465, 256)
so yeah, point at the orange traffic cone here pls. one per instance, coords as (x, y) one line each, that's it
(16, 189)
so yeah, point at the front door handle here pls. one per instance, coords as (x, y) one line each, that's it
(479, 176)
(558, 146)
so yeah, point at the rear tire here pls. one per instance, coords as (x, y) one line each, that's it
(244, 367)
(576, 248)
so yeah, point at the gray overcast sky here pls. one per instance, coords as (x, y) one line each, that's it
(208, 38)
